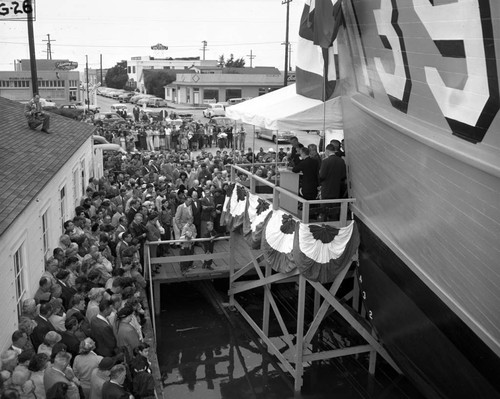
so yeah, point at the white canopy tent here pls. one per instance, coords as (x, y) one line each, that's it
(284, 109)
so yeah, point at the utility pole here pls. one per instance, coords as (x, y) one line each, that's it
(100, 65)
(287, 2)
(87, 73)
(31, 41)
(251, 56)
(49, 47)
(204, 42)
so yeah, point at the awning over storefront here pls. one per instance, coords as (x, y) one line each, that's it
(284, 109)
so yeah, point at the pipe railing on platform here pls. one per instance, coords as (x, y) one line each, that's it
(277, 191)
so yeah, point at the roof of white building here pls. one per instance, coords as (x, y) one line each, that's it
(29, 159)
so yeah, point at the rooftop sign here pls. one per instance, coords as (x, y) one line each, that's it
(17, 10)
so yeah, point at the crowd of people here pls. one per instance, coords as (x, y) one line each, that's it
(81, 335)
(147, 131)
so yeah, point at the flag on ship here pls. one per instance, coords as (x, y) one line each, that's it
(277, 241)
(255, 217)
(225, 214)
(321, 252)
(316, 72)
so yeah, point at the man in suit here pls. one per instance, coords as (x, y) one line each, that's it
(43, 325)
(35, 115)
(59, 372)
(196, 210)
(19, 341)
(309, 168)
(183, 215)
(67, 292)
(113, 389)
(69, 338)
(102, 332)
(332, 174)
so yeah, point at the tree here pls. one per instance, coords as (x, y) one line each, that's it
(231, 62)
(156, 79)
(117, 76)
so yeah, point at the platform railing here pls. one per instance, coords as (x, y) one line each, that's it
(169, 260)
(254, 181)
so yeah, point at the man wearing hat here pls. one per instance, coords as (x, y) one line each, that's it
(99, 376)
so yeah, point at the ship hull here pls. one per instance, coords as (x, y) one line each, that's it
(422, 145)
(431, 344)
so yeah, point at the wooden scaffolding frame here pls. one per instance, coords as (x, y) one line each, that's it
(325, 298)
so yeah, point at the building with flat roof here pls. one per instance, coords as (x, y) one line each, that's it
(54, 83)
(136, 65)
(212, 84)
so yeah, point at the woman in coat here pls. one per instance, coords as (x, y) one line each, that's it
(126, 335)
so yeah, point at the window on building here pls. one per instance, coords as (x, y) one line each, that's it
(262, 91)
(82, 175)
(166, 67)
(45, 234)
(133, 69)
(76, 184)
(233, 93)
(129, 69)
(211, 94)
(19, 271)
(62, 204)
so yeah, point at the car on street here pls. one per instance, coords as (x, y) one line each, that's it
(185, 116)
(273, 135)
(125, 97)
(109, 119)
(214, 110)
(137, 97)
(92, 107)
(221, 121)
(156, 102)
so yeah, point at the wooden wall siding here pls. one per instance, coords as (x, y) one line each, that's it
(442, 214)
(27, 228)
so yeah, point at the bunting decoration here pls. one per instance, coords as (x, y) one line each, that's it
(237, 207)
(278, 239)
(316, 72)
(225, 215)
(321, 252)
(255, 217)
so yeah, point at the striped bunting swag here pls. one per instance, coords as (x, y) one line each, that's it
(316, 73)
(322, 252)
(236, 207)
(255, 216)
(277, 241)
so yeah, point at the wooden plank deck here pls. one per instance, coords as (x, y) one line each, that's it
(171, 272)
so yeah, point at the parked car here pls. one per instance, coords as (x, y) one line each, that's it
(92, 107)
(222, 121)
(233, 101)
(214, 110)
(274, 135)
(137, 97)
(143, 101)
(46, 103)
(125, 97)
(119, 107)
(109, 119)
(156, 102)
(185, 116)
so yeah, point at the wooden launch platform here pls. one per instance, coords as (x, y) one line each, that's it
(244, 267)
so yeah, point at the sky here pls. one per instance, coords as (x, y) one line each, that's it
(121, 29)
